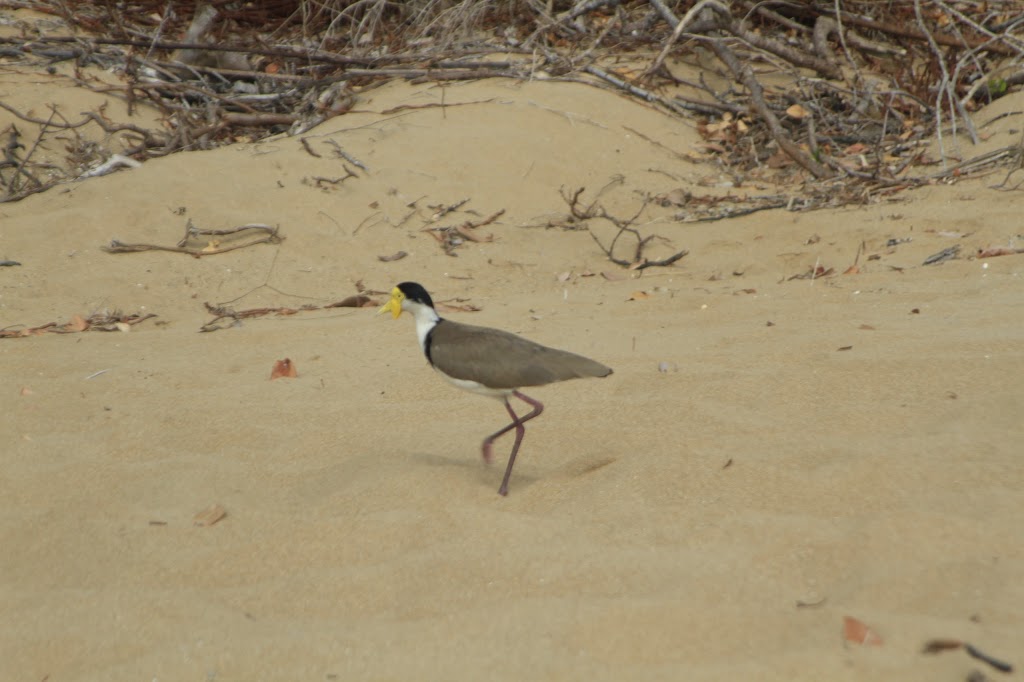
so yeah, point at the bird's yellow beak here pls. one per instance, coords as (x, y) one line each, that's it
(394, 304)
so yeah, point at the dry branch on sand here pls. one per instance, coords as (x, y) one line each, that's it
(248, 235)
(624, 226)
(99, 322)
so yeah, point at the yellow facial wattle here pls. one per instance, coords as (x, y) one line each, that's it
(394, 304)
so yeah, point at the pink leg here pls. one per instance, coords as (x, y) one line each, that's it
(486, 450)
(517, 424)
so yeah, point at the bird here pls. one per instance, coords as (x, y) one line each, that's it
(489, 362)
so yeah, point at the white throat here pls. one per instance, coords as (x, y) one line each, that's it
(426, 318)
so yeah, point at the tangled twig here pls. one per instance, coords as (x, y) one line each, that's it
(625, 226)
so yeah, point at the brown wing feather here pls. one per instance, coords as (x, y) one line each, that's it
(498, 359)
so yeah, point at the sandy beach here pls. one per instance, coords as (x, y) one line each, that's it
(771, 455)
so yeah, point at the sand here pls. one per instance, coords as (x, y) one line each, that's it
(770, 456)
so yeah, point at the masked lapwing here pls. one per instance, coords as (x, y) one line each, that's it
(488, 361)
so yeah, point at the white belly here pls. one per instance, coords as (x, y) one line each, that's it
(476, 387)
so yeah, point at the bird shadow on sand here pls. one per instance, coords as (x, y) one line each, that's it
(582, 466)
(576, 468)
(487, 473)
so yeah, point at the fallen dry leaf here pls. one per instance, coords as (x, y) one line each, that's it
(779, 160)
(852, 270)
(210, 516)
(25, 390)
(358, 301)
(639, 296)
(859, 633)
(866, 327)
(283, 368)
(627, 74)
(614, 275)
(398, 255)
(796, 111)
(934, 646)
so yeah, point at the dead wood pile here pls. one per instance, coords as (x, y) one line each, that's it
(846, 95)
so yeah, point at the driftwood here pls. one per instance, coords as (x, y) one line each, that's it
(939, 66)
(250, 235)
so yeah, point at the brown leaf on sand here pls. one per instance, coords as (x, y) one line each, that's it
(209, 516)
(25, 390)
(934, 646)
(639, 296)
(852, 270)
(283, 368)
(859, 633)
(398, 255)
(358, 301)
(77, 324)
